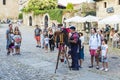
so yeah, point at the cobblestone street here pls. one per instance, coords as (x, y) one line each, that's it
(35, 64)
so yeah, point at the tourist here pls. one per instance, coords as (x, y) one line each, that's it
(74, 48)
(8, 38)
(104, 58)
(17, 39)
(46, 43)
(112, 32)
(94, 44)
(11, 46)
(51, 40)
(115, 40)
(107, 31)
(37, 32)
(17, 29)
(101, 34)
(42, 40)
(81, 56)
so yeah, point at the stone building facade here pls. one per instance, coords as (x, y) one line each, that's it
(9, 9)
(44, 20)
(107, 8)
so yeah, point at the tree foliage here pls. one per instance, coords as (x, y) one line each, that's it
(41, 5)
(47, 6)
(70, 6)
(20, 16)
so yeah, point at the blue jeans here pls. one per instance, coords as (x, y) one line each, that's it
(74, 56)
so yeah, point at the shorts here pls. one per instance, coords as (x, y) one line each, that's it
(11, 45)
(103, 59)
(46, 45)
(37, 38)
(81, 54)
(17, 46)
(93, 52)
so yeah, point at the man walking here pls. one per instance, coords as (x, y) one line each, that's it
(37, 36)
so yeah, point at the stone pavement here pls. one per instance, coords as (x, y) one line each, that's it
(35, 64)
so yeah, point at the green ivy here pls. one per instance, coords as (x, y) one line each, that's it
(38, 7)
(56, 15)
(20, 16)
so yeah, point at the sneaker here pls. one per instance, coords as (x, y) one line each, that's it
(106, 69)
(90, 66)
(8, 53)
(37, 46)
(18, 54)
(102, 69)
(97, 67)
(80, 67)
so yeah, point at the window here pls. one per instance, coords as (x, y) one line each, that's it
(4, 2)
(105, 4)
(119, 2)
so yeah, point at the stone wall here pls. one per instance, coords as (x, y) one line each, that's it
(40, 20)
(37, 20)
(10, 10)
(102, 11)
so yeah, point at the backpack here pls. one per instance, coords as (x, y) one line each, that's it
(78, 42)
(97, 37)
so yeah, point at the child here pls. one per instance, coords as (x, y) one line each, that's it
(17, 39)
(42, 39)
(104, 59)
(46, 41)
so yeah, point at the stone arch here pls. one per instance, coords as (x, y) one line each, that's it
(46, 20)
(30, 20)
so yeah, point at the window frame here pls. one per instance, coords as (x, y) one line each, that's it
(4, 2)
(118, 2)
(105, 4)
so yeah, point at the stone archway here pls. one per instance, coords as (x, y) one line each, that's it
(46, 21)
(30, 21)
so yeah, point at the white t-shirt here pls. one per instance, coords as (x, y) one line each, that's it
(104, 49)
(82, 40)
(17, 39)
(12, 36)
(95, 41)
(46, 40)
